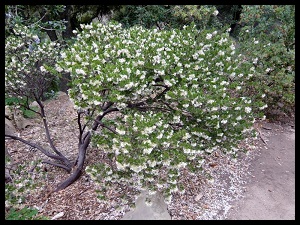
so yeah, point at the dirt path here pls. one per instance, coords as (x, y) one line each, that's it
(270, 192)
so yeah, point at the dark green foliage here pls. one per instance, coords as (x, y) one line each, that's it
(272, 27)
(24, 214)
(176, 16)
(145, 15)
(18, 101)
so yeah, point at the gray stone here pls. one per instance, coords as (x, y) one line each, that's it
(34, 104)
(20, 121)
(9, 127)
(157, 211)
(61, 94)
(8, 112)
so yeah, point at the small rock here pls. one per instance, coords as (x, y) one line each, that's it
(9, 127)
(20, 121)
(157, 211)
(34, 104)
(8, 112)
(61, 94)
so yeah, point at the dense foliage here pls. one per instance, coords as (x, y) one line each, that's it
(27, 60)
(268, 41)
(171, 16)
(178, 94)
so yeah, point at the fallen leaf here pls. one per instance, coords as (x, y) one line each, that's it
(198, 197)
(213, 165)
(57, 216)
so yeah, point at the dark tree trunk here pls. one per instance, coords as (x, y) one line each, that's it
(51, 33)
(78, 171)
(70, 26)
(63, 82)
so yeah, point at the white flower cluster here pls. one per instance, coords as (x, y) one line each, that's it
(175, 96)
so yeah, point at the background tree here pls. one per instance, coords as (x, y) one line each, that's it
(176, 16)
(55, 22)
(267, 40)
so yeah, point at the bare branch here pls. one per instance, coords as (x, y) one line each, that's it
(58, 165)
(63, 158)
(107, 127)
(80, 160)
(35, 146)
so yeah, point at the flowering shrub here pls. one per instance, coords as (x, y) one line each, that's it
(177, 94)
(28, 62)
(268, 42)
(24, 184)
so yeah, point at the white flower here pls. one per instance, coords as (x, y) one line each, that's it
(121, 132)
(263, 107)
(63, 55)
(263, 95)
(77, 57)
(168, 83)
(255, 42)
(80, 71)
(182, 164)
(247, 31)
(96, 102)
(167, 96)
(136, 168)
(88, 26)
(247, 109)
(43, 69)
(208, 36)
(268, 70)
(122, 60)
(216, 12)
(120, 166)
(147, 150)
(239, 118)
(223, 121)
(220, 134)
(159, 136)
(221, 53)
(59, 69)
(129, 85)
(210, 101)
